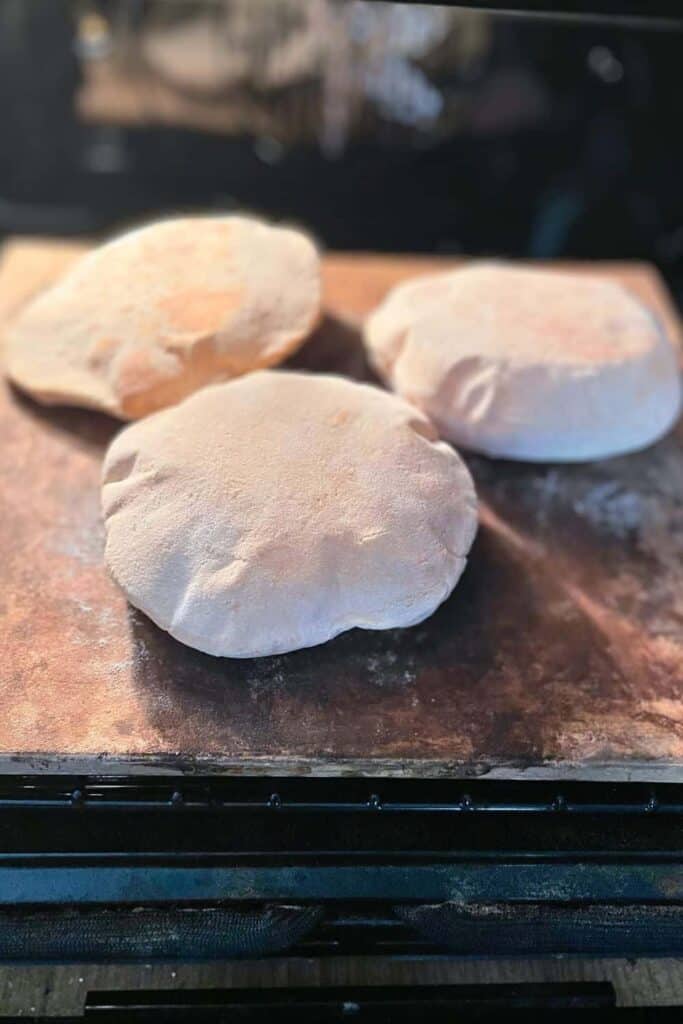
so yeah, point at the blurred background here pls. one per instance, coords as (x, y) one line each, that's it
(377, 125)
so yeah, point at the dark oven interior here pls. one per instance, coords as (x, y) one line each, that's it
(378, 126)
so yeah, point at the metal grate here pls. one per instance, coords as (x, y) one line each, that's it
(341, 796)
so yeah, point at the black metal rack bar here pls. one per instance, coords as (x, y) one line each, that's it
(370, 865)
(663, 15)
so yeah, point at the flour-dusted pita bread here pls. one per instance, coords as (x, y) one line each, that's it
(276, 511)
(528, 364)
(147, 319)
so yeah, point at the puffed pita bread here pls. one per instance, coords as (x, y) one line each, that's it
(145, 320)
(276, 511)
(528, 364)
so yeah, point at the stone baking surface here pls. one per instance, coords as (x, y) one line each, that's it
(560, 653)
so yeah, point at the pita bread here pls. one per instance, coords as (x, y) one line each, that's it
(147, 319)
(528, 364)
(274, 512)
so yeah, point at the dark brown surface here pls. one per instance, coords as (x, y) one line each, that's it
(560, 652)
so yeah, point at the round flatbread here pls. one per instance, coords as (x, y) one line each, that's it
(147, 319)
(528, 364)
(276, 511)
